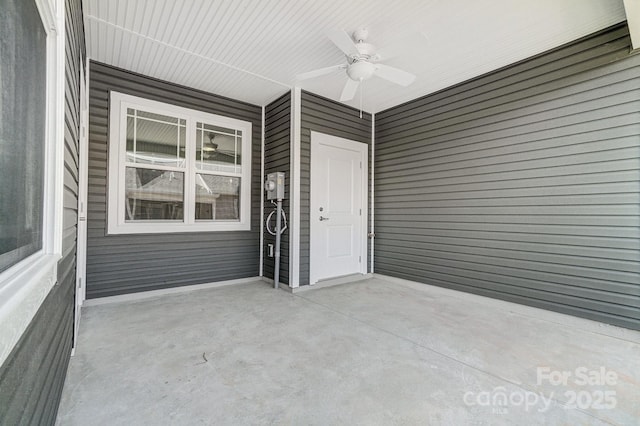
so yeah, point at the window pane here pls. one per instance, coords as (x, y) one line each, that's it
(154, 195)
(155, 139)
(218, 149)
(217, 197)
(22, 132)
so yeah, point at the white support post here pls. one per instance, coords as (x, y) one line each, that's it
(372, 235)
(294, 184)
(632, 9)
(262, 196)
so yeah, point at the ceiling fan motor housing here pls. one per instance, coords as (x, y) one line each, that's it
(361, 70)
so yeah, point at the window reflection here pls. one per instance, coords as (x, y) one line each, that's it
(218, 149)
(154, 194)
(155, 139)
(217, 197)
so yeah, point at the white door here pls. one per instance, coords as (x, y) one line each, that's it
(338, 207)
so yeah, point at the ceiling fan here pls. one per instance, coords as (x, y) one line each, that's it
(363, 62)
(211, 151)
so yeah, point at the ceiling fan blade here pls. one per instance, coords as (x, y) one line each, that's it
(349, 90)
(343, 41)
(319, 72)
(394, 75)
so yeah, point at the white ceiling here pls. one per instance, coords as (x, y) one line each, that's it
(251, 50)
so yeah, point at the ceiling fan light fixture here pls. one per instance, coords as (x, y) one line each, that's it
(361, 70)
(211, 146)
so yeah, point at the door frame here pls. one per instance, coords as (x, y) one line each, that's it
(317, 139)
(83, 184)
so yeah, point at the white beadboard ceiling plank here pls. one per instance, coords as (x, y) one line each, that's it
(92, 36)
(125, 47)
(120, 13)
(195, 20)
(157, 26)
(129, 15)
(142, 45)
(244, 41)
(140, 14)
(196, 39)
(206, 39)
(276, 40)
(218, 37)
(237, 32)
(89, 7)
(103, 41)
(116, 42)
(179, 22)
(213, 40)
(147, 54)
(293, 40)
(102, 8)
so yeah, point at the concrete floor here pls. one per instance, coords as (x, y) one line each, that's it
(375, 351)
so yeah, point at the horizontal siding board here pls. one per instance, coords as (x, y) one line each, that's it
(499, 234)
(629, 305)
(513, 126)
(481, 220)
(568, 134)
(579, 172)
(278, 159)
(478, 150)
(518, 244)
(521, 184)
(628, 268)
(118, 264)
(579, 276)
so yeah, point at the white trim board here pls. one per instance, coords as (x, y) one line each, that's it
(632, 10)
(294, 185)
(262, 180)
(372, 234)
(330, 282)
(143, 295)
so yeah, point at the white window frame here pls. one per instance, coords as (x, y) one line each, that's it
(25, 285)
(116, 223)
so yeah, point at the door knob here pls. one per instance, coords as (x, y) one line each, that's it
(323, 218)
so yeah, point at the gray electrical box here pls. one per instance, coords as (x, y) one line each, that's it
(275, 186)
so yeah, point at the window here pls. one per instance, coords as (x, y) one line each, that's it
(32, 70)
(22, 131)
(173, 169)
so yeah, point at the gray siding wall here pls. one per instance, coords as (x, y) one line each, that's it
(118, 264)
(522, 184)
(32, 377)
(323, 115)
(277, 158)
